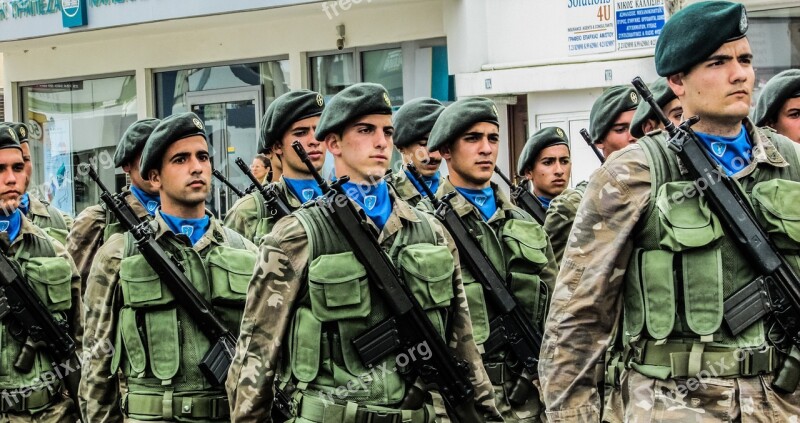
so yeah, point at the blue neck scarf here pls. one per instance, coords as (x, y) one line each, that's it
(545, 202)
(149, 202)
(25, 204)
(304, 189)
(193, 228)
(482, 199)
(431, 181)
(11, 224)
(374, 199)
(733, 153)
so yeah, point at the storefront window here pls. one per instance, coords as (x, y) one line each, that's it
(332, 73)
(172, 86)
(385, 67)
(776, 45)
(73, 123)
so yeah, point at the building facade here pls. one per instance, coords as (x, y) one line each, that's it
(544, 61)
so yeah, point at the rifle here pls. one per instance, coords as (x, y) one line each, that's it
(777, 290)
(588, 139)
(28, 320)
(409, 325)
(225, 181)
(511, 327)
(276, 207)
(523, 198)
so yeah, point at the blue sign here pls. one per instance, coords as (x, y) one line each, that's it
(639, 23)
(73, 13)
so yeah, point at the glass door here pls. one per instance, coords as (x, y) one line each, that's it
(232, 118)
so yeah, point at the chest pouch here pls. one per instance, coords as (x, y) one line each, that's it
(525, 245)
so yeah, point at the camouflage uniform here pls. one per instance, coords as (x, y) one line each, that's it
(249, 215)
(102, 399)
(559, 217)
(39, 404)
(405, 189)
(94, 226)
(532, 291)
(280, 283)
(589, 297)
(55, 222)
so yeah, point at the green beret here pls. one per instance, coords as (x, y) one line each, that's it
(607, 108)
(170, 129)
(20, 129)
(694, 32)
(780, 88)
(133, 140)
(284, 112)
(458, 118)
(415, 120)
(543, 138)
(663, 94)
(357, 100)
(8, 137)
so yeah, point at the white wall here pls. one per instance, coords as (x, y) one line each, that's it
(293, 31)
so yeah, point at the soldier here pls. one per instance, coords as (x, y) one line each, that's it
(55, 222)
(310, 295)
(649, 249)
(644, 120)
(545, 162)
(157, 344)
(37, 395)
(778, 105)
(467, 137)
(292, 116)
(95, 224)
(412, 126)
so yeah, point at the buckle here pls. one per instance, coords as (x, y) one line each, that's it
(382, 417)
(756, 361)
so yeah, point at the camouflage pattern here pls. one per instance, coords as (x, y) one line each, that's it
(42, 215)
(532, 410)
(404, 188)
(247, 212)
(100, 391)
(87, 233)
(279, 281)
(63, 411)
(587, 300)
(559, 217)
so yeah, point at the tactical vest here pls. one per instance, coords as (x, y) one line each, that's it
(158, 345)
(50, 277)
(340, 303)
(53, 224)
(683, 267)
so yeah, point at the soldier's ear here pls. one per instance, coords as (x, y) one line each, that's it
(444, 151)
(676, 84)
(334, 144)
(154, 177)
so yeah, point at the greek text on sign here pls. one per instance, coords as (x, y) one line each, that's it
(590, 27)
(638, 23)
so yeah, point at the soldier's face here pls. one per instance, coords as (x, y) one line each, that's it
(788, 122)
(136, 178)
(472, 156)
(364, 149)
(303, 131)
(551, 171)
(425, 161)
(12, 179)
(184, 179)
(26, 157)
(719, 89)
(619, 136)
(674, 112)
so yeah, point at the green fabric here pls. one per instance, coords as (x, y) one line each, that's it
(133, 140)
(428, 272)
(357, 100)
(658, 288)
(414, 120)
(8, 137)
(171, 129)
(50, 277)
(696, 31)
(541, 139)
(778, 89)
(458, 117)
(605, 110)
(686, 221)
(776, 203)
(525, 246)
(284, 112)
(663, 94)
(702, 273)
(338, 287)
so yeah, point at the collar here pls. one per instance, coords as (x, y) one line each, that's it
(37, 207)
(403, 185)
(135, 204)
(463, 207)
(149, 202)
(11, 225)
(213, 236)
(25, 203)
(291, 200)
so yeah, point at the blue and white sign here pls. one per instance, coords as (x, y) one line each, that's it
(638, 23)
(73, 13)
(590, 27)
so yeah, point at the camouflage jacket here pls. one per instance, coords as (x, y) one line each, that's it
(39, 213)
(559, 217)
(246, 212)
(99, 392)
(86, 235)
(405, 188)
(587, 300)
(279, 280)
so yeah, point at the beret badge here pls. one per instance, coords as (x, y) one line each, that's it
(197, 123)
(320, 100)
